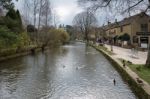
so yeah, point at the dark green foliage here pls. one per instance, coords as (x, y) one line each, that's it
(19, 19)
(11, 31)
(124, 37)
(71, 31)
(115, 38)
(138, 68)
(13, 21)
(12, 36)
(12, 14)
(2, 20)
(120, 37)
(31, 28)
(7, 38)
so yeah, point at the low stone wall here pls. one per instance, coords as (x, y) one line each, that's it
(137, 88)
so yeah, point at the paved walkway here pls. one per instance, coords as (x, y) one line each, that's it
(138, 57)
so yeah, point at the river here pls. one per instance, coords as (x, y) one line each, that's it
(69, 72)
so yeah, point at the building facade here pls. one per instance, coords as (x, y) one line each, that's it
(137, 27)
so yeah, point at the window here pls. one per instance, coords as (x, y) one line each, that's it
(121, 29)
(144, 27)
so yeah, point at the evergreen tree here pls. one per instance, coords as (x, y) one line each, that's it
(13, 21)
(19, 20)
(12, 14)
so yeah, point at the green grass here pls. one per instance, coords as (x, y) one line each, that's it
(142, 71)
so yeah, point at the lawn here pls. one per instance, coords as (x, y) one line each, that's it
(142, 71)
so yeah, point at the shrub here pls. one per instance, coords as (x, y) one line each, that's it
(8, 39)
(23, 40)
(57, 36)
(124, 37)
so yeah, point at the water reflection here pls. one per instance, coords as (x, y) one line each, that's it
(69, 72)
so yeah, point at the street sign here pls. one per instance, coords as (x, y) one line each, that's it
(143, 33)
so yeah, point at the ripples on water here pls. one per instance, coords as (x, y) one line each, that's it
(70, 72)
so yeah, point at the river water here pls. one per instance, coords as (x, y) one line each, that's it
(69, 72)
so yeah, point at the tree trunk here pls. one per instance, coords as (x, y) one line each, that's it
(34, 20)
(86, 37)
(148, 58)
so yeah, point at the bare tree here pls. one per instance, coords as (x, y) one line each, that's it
(46, 20)
(38, 13)
(55, 18)
(26, 12)
(47, 13)
(30, 11)
(118, 5)
(35, 11)
(85, 21)
(121, 6)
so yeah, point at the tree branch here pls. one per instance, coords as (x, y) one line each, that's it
(128, 9)
(101, 6)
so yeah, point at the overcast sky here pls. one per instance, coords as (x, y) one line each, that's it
(67, 9)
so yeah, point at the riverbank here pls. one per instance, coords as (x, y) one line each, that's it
(11, 53)
(142, 91)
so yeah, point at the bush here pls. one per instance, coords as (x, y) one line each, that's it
(124, 37)
(23, 40)
(12, 40)
(7, 38)
(64, 36)
(57, 36)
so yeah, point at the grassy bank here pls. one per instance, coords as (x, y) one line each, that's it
(142, 71)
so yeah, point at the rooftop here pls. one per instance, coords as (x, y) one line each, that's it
(125, 21)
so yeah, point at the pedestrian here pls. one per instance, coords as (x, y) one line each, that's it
(114, 82)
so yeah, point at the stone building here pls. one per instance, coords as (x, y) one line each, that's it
(137, 27)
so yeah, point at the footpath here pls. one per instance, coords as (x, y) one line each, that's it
(126, 54)
(136, 57)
